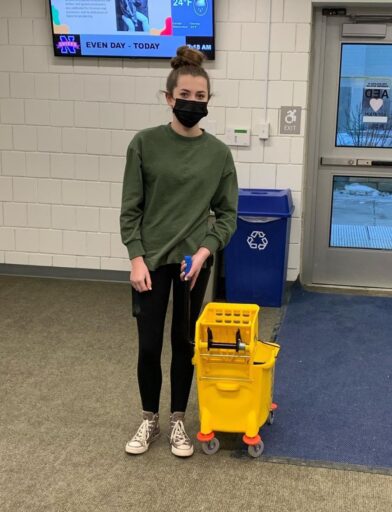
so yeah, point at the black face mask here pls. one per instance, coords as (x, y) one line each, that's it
(189, 112)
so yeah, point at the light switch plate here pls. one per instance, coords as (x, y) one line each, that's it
(263, 131)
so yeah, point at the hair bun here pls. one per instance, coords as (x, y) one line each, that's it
(187, 56)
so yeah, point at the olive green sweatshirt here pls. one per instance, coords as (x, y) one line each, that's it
(171, 183)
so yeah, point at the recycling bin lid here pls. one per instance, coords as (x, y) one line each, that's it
(265, 202)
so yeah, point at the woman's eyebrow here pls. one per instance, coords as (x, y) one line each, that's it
(197, 92)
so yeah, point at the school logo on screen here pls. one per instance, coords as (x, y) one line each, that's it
(67, 45)
(200, 7)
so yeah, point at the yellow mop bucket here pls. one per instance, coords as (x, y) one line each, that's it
(235, 375)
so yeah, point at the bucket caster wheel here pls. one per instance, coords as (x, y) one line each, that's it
(271, 415)
(210, 447)
(255, 450)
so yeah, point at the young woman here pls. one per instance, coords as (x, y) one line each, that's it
(174, 175)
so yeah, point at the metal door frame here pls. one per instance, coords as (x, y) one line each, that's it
(317, 69)
(312, 143)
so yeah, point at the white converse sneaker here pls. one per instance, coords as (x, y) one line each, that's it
(180, 443)
(147, 433)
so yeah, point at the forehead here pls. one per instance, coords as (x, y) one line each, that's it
(192, 83)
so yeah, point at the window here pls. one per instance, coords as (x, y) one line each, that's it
(361, 212)
(364, 108)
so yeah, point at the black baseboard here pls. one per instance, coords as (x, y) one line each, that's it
(84, 274)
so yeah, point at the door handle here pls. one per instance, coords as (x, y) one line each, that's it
(374, 163)
(325, 160)
(355, 162)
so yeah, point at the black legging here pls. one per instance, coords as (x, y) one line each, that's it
(149, 308)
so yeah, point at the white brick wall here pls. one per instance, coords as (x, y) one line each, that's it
(109, 218)
(65, 125)
(20, 31)
(74, 243)
(96, 88)
(22, 85)
(62, 166)
(25, 138)
(45, 260)
(3, 31)
(240, 65)
(295, 67)
(87, 219)
(27, 240)
(88, 262)
(38, 165)
(98, 244)
(34, 8)
(39, 216)
(35, 59)
(111, 168)
(64, 261)
(50, 241)
(5, 189)
(111, 115)
(262, 176)
(87, 167)
(49, 191)
(99, 142)
(63, 217)
(74, 140)
(4, 85)
(243, 173)
(15, 214)
(61, 113)
(11, 58)
(25, 190)
(74, 192)
(16, 258)
(5, 137)
(47, 86)
(12, 111)
(49, 138)
(14, 163)
(283, 37)
(37, 112)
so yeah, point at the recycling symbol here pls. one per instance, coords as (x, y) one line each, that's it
(257, 240)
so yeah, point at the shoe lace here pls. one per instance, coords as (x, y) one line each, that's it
(143, 431)
(178, 434)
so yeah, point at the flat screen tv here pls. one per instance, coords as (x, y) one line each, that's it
(131, 28)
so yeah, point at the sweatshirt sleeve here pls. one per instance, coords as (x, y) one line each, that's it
(132, 203)
(224, 204)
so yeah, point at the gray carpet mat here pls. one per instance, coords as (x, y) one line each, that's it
(69, 402)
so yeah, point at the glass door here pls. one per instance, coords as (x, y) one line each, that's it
(349, 239)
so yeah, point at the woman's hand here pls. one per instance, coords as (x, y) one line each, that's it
(198, 260)
(140, 276)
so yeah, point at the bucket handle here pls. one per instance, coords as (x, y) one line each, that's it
(228, 386)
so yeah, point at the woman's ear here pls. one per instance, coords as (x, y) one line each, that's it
(169, 99)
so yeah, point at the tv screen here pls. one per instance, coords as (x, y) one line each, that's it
(131, 28)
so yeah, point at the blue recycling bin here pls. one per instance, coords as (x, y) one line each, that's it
(256, 258)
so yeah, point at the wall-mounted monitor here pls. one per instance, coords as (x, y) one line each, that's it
(131, 28)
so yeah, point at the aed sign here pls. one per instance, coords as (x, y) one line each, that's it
(376, 102)
(290, 120)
